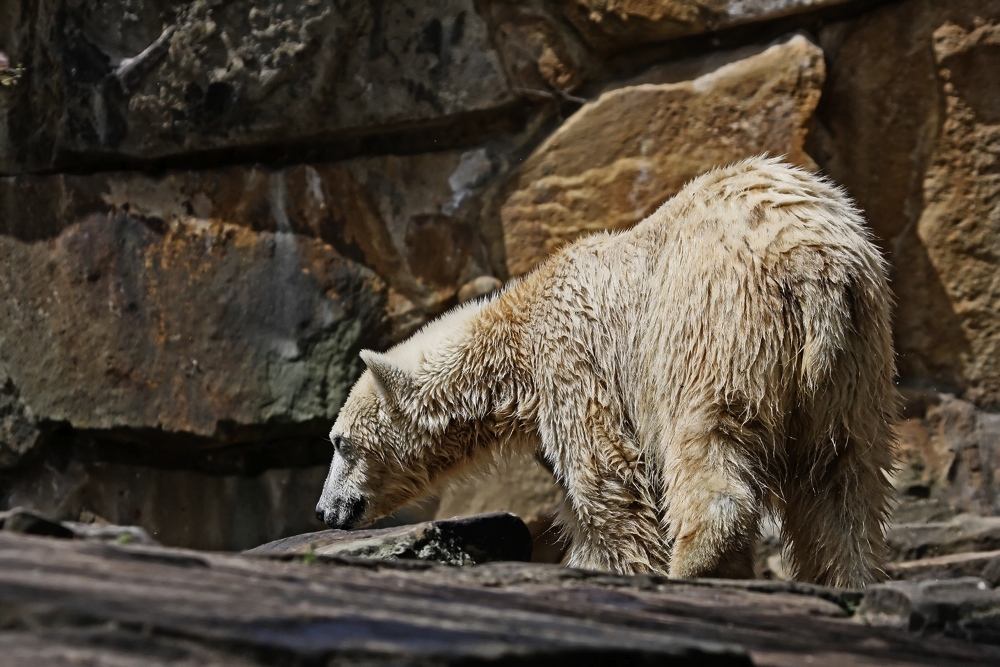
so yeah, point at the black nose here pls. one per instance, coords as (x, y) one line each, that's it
(321, 515)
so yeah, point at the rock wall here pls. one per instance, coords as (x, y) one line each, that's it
(207, 209)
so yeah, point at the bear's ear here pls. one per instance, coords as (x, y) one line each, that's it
(391, 381)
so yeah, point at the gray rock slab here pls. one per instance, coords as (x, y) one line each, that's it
(960, 534)
(982, 564)
(965, 608)
(148, 79)
(118, 601)
(472, 540)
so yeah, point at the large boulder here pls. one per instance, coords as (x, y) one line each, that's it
(133, 303)
(148, 79)
(911, 125)
(618, 158)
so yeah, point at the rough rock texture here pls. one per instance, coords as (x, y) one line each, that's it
(910, 125)
(64, 598)
(618, 158)
(471, 540)
(132, 304)
(950, 456)
(146, 79)
(614, 25)
(962, 534)
(982, 564)
(966, 608)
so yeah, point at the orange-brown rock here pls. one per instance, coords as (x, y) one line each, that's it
(618, 158)
(615, 25)
(911, 122)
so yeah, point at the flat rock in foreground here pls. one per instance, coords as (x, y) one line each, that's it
(470, 540)
(65, 600)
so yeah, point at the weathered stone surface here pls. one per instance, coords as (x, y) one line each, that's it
(142, 79)
(982, 564)
(950, 459)
(211, 608)
(967, 609)
(176, 507)
(116, 315)
(18, 431)
(617, 159)
(615, 25)
(469, 540)
(910, 118)
(962, 534)
(542, 54)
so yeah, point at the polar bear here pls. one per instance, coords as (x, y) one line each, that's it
(728, 357)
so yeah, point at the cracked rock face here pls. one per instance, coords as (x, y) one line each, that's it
(615, 25)
(119, 316)
(618, 158)
(154, 79)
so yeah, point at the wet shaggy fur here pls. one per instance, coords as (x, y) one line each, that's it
(727, 357)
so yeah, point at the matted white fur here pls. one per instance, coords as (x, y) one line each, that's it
(727, 357)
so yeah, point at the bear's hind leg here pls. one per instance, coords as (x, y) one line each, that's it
(834, 517)
(714, 512)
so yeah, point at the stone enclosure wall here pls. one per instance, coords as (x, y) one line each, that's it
(207, 208)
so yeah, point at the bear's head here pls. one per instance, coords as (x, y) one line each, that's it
(384, 454)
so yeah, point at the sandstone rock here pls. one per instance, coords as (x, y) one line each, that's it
(146, 79)
(982, 564)
(910, 122)
(470, 540)
(615, 25)
(617, 159)
(542, 55)
(962, 534)
(967, 608)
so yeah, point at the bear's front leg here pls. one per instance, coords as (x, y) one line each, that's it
(613, 513)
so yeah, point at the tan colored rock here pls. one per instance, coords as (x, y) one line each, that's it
(912, 128)
(613, 25)
(617, 159)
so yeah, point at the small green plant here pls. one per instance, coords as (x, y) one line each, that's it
(309, 557)
(125, 538)
(10, 76)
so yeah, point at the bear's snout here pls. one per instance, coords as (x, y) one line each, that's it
(343, 514)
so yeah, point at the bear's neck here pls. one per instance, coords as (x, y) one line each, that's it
(476, 387)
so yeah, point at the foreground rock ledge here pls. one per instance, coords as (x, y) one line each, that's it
(68, 600)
